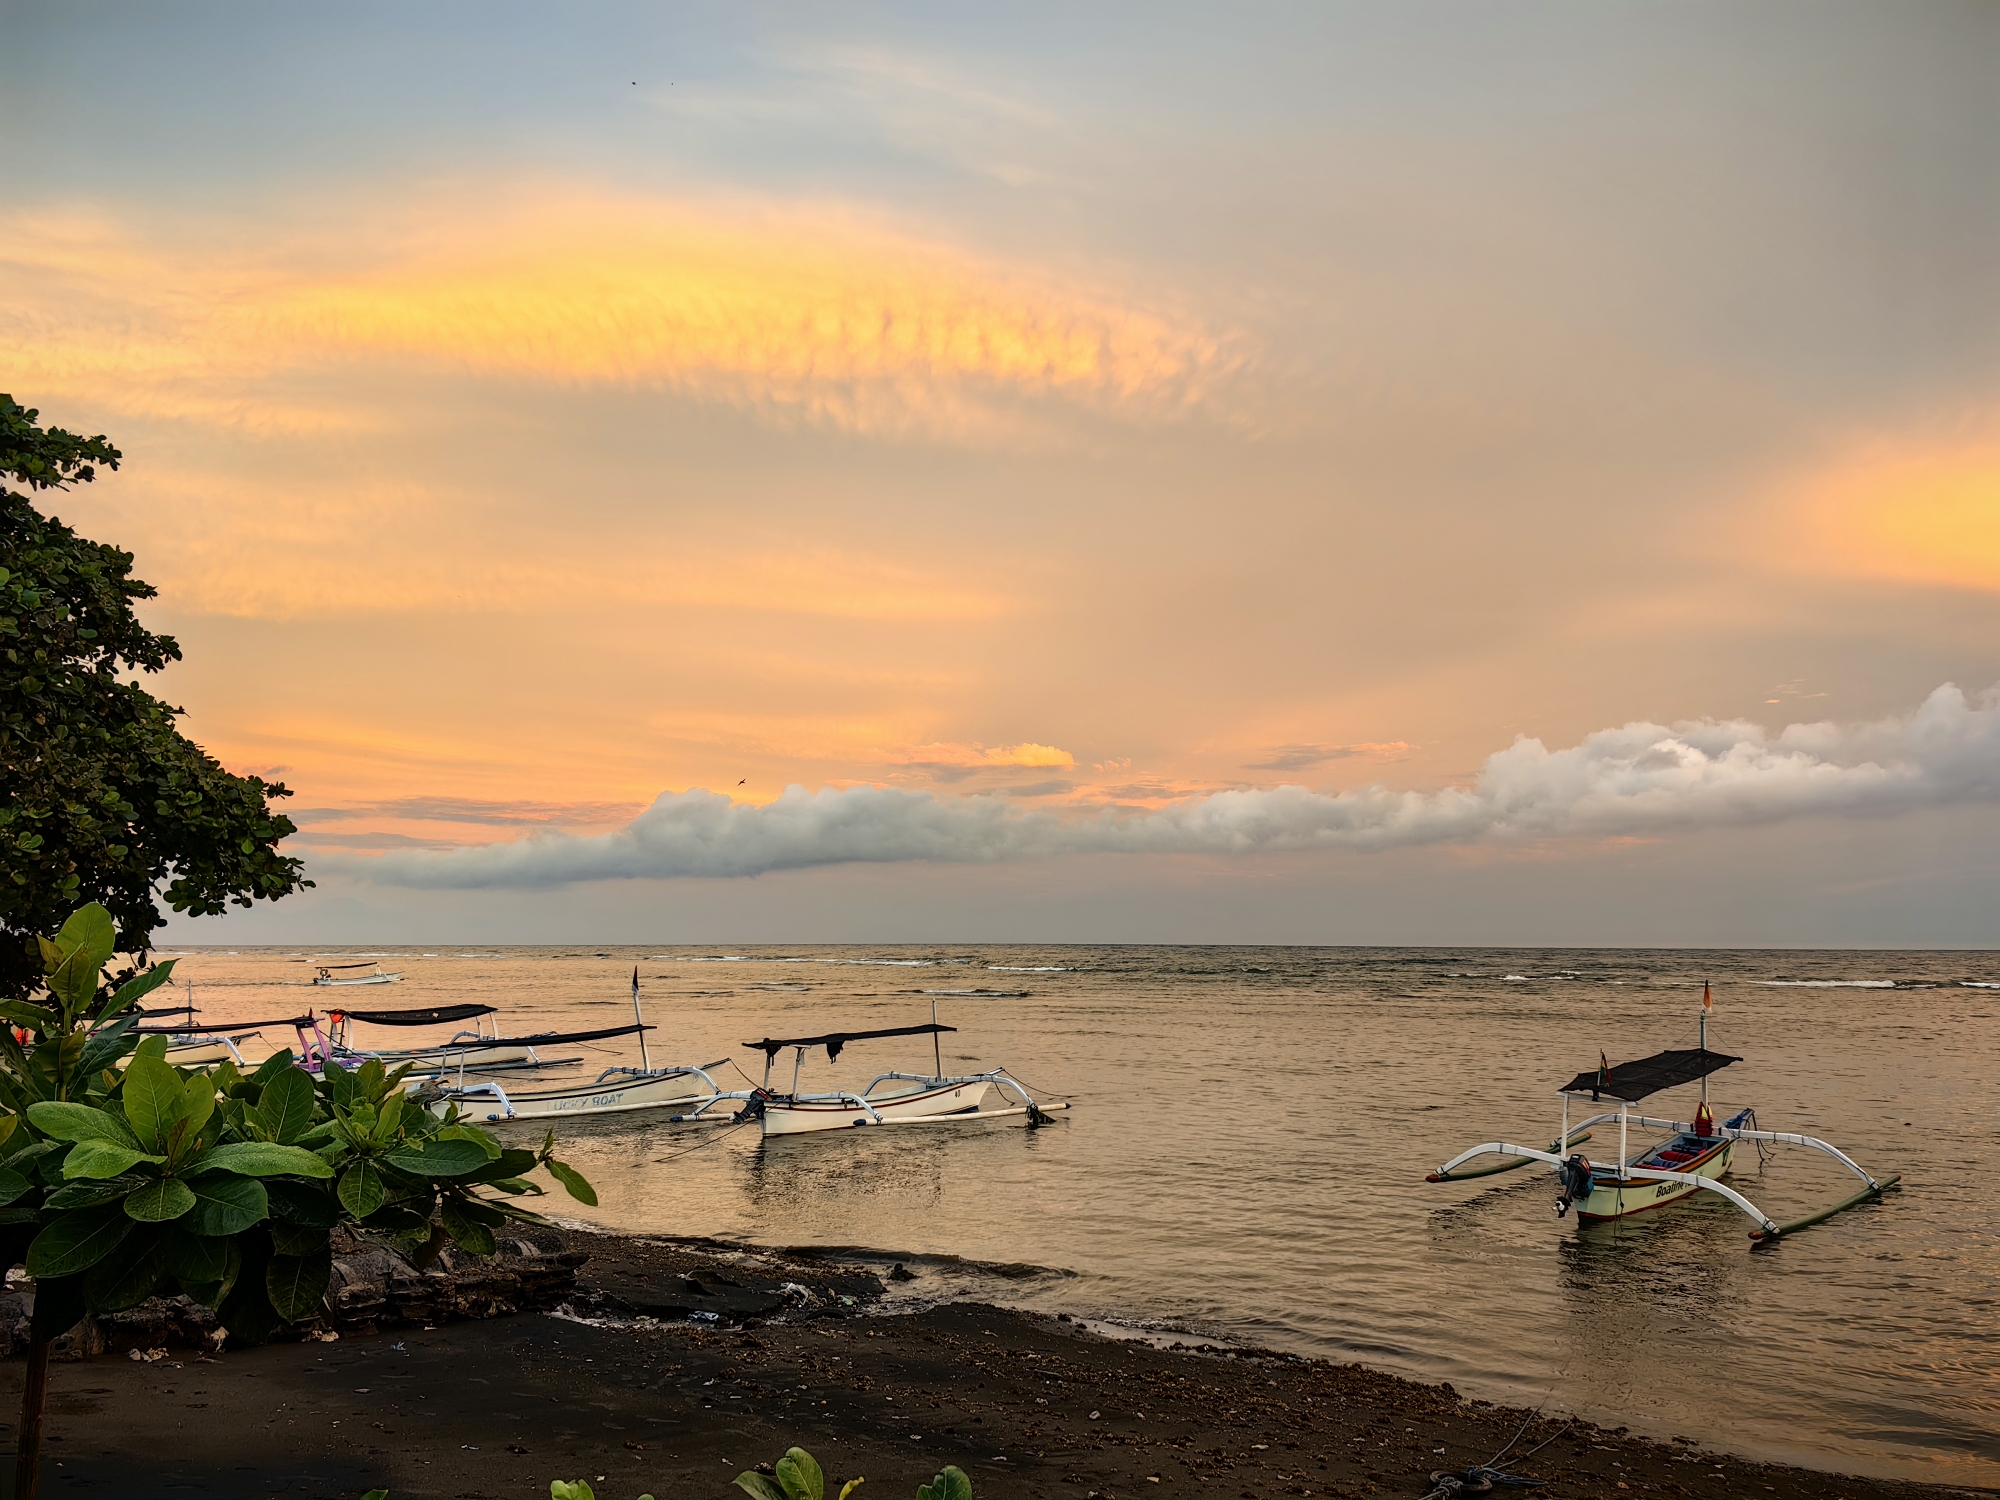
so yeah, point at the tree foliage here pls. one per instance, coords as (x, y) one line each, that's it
(102, 798)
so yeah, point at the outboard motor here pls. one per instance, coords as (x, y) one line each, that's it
(1575, 1175)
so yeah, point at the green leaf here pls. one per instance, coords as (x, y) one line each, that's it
(800, 1475)
(85, 1193)
(105, 1048)
(264, 1159)
(297, 1283)
(361, 1190)
(508, 1164)
(34, 1017)
(293, 1239)
(466, 1232)
(157, 1202)
(950, 1485)
(197, 1103)
(79, 1122)
(89, 931)
(100, 1159)
(226, 1204)
(133, 990)
(272, 1066)
(12, 1185)
(570, 1489)
(285, 1107)
(153, 1097)
(305, 1204)
(77, 1241)
(572, 1181)
(197, 1260)
(759, 1486)
(439, 1159)
(128, 1275)
(850, 1487)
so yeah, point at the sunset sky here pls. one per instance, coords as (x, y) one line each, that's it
(1369, 473)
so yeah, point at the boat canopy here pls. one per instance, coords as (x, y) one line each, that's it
(1633, 1081)
(231, 1029)
(435, 1015)
(540, 1039)
(833, 1041)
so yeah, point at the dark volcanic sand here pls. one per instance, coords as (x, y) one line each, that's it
(1028, 1406)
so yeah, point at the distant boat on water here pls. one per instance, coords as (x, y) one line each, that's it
(364, 973)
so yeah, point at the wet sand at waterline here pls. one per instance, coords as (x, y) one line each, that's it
(1029, 1405)
(1252, 1126)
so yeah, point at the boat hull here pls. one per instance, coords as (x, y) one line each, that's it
(1611, 1198)
(805, 1116)
(602, 1098)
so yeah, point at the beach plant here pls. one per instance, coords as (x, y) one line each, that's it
(118, 1183)
(102, 798)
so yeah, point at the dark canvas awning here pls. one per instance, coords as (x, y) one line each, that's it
(1633, 1081)
(435, 1015)
(544, 1038)
(833, 1041)
(206, 1029)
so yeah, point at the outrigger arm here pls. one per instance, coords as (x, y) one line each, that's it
(1779, 1137)
(1627, 1174)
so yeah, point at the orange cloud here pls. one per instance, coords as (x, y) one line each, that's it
(804, 315)
(1920, 511)
(976, 756)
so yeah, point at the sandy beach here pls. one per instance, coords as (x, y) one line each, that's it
(640, 1388)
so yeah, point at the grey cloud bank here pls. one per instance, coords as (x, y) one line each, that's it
(1638, 779)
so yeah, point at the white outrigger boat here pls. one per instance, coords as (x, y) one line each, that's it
(922, 1099)
(473, 1049)
(192, 1046)
(342, 974)
(1691, 1160)
(615, 1091)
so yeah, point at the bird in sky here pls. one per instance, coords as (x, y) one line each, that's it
(746, 778)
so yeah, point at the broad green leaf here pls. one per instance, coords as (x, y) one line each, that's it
(226, 1204)
(197, 1103)
(570, 1489)
(154, 1046)
(264, 1159)
(799, 1473)
(105, 1047)
(291, 1239)
(361, 1190)
(272, 1066)
(306, 1204)
(466, 1232)
(85, 1193)
(157, 1202)
(77, 1241)
(197, 1260)
(339, 1084)
(128, 1275)
(89, 930)
(286, 1106)
(439, 1159)
(508, 1164)
(137, 988)
(572, 1181)
(153, 1097)
(950, 1485)
(12, 1185)
(34, 1017)
(79, 1122)
(100, 1159)
(759, 1486)
(296, 1283)
(850, 1487)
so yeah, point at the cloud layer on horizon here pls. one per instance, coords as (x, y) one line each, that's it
(1638, 779)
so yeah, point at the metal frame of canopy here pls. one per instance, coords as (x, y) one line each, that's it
(1641, 1078)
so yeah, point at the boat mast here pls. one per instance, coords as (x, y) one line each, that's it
(645, 1061)
(1706, 1002)
(937, 1052)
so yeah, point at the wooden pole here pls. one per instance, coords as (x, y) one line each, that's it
(34, 1407)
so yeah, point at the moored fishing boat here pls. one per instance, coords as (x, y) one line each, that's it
(890, 1098)
(326, 974)
(1693, 1158)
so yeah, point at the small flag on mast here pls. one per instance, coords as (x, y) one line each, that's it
(1707, 1000)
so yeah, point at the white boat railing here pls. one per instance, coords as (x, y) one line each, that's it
(1628, 1174)
(1779, 1137)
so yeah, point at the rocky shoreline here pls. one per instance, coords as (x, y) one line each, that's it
(670, 1366)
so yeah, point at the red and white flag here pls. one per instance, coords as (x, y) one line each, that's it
(1707, 1000)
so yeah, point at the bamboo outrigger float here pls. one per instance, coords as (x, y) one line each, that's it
(1691, 1160)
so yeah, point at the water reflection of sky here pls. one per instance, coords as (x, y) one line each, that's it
(1251, 1133)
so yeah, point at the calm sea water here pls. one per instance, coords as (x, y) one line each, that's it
(1251, 1132)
